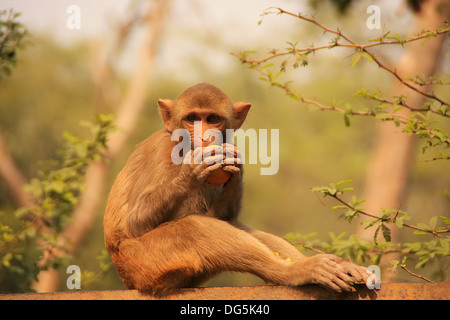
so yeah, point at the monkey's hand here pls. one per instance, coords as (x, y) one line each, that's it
(232, 158)
(202, 161)
(231, 155)
(329, 271)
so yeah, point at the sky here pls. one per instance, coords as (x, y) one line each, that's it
(231, 23)
(209, 29)
(97, 15)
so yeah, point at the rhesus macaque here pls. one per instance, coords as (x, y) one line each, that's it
(166, 228)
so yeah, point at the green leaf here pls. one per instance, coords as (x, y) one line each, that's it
(265, 66)
(445, 219)
(367, 56)
(346, 120)
(433, 221)
(342, 182)
(383, 116)
(395, 265)
(351, 214)
(21, 212)
(332, 191)
(422, 262)
(7, 259)
(375, 235)
(370, 223)
(355, 59)
(412, 247)
(399, 222)
(355, 202)
(386, 233)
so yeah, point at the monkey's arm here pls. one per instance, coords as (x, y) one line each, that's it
(163, 195)
(156, 204)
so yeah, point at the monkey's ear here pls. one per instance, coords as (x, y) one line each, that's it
(241, 109)
(166, 109)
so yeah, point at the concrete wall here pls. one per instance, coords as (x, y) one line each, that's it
(388, 291)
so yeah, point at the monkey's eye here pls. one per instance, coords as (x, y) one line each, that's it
(213, 118)
(192, 118)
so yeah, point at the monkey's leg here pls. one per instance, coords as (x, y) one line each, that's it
(176, 253)
(179, 252)
(286, 250)
(278, 245)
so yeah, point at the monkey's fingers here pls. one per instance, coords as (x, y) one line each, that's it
(337, 280)
(330, 272)
(214, 159)
(203, 154)
(232, 156)
(232, 153)
(232, 160)
(363, 275)
(232, 169)
(341, 285)
(231, 149)
(357, 272)
(341, 278)
(331, 278)
(202, 173)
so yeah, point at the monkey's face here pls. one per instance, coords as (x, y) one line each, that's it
(204, 126)
(205, 112)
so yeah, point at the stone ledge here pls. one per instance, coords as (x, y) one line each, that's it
(388, 291)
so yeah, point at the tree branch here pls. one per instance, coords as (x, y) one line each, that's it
(359, 47)
(433, 232)
(13, 177)
(415, 274)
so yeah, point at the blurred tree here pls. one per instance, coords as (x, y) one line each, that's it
(389, 167)
(126, 116)
(411, 99)
(12, 34)
(54, 86)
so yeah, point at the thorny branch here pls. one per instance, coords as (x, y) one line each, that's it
(411, 124)
(361, 48)
(415, 274)
(348, 205)
(418, 126)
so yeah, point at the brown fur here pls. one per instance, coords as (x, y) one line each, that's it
(166, 229)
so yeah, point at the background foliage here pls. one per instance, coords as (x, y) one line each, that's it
(422, 120)
(50, 92)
